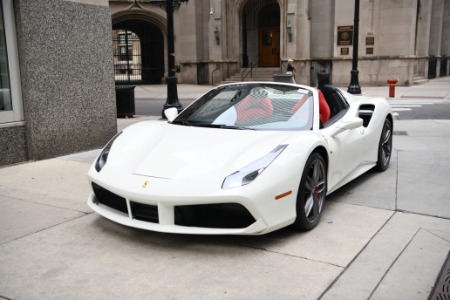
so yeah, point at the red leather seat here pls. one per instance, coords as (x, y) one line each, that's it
(324, 109)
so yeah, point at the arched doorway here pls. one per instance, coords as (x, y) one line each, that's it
(261, 33)
(138, 52)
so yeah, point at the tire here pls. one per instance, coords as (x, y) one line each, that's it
(311, 193)
(384, 147)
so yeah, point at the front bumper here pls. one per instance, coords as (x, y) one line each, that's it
(163, 217)
(253, 213)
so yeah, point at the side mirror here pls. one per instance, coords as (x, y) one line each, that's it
(171, 113)
(347, 123)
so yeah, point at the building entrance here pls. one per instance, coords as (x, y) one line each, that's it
(261, 33)
(138, 52)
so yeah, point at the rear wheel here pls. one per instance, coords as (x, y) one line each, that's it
(311, 193)
(385, 147)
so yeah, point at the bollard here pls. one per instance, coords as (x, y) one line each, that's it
(392, 82)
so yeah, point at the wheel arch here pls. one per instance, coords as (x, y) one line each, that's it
(322, 152)
(391, 119)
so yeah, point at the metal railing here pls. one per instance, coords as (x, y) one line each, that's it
(225, 65)
(213, 72)
(249, 69)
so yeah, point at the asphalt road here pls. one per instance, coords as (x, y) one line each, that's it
(404, 109)
(421, 109)
(147, 107)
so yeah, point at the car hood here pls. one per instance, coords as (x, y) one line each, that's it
(175, 151)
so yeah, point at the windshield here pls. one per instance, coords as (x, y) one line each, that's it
(252, 106)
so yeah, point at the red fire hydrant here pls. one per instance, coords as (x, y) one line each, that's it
(392, 82)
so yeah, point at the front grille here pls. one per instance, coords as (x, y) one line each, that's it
(223, 216)
(110, 199)
(226, 215)
(144, 212)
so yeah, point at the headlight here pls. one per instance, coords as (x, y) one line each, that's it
(249, 173)
(101, 161)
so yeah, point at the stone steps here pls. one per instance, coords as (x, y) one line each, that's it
(257, 74)
(417, 79)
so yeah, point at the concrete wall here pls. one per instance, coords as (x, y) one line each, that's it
(445, 46)
(66, 67)
(376, 70)
(13, 147)
(437, 17)
(322, 28)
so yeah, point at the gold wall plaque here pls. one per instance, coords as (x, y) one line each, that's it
(370, 40)
(344, 51)
(345, 35)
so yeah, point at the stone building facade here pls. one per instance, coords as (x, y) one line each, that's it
(215, 39)
(56, 78)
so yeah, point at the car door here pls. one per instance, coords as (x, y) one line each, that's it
(346, 149)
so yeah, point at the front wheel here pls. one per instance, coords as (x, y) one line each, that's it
(311, 193)
(385, 147)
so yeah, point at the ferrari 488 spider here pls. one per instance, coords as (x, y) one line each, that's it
(245, 158)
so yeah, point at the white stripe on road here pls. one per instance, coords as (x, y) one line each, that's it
(406, 105)
(401, 109)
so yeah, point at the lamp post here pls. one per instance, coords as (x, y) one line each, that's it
(172, 93)
(354, 87)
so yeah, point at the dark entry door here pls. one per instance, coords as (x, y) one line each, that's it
(269, 47)
(138, 52)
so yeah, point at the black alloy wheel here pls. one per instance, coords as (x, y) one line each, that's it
(311, 193)
(385, 147)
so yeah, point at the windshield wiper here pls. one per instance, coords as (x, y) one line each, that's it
(221, 126)
(209, 125)
(181, 122)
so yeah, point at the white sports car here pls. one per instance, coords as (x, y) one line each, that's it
(245, 158)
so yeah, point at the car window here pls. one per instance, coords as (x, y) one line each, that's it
(252, 106)
(337, 103)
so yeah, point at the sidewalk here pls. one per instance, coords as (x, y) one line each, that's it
(383, 236)
(434, 89)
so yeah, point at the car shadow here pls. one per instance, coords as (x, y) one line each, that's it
(118, 233)
(205, 243)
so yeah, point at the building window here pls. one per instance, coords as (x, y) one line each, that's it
(125, 46)
(11, 110)
(5, 88)
(127, 56)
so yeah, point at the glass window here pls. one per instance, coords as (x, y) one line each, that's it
(5, 87)
(11, 111)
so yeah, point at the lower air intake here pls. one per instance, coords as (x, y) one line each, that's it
(226, 215)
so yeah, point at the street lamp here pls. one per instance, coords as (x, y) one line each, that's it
(172, 93)
(354, 87)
